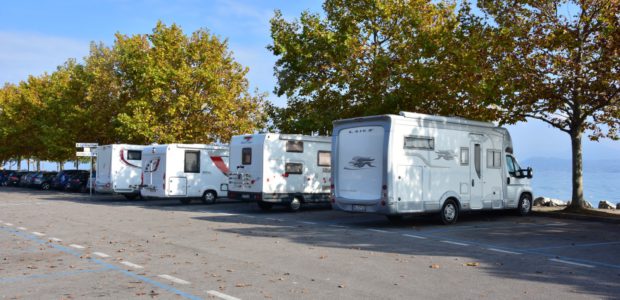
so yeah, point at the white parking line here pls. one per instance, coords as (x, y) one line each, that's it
(173, 279)
(455, 243)
(22, 228)
(503, 251)
(274, 219)
(415, 236)
(101, 254)
(337, 226)
(221, 295)
(76, 246)
(378, 230)
(8, 224)
(571, 263)
(306, 222)
(38, 233)
(132, 265)
(56, 239)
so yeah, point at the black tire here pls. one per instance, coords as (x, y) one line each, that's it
(395, 219)
(525, 205)
(45, 186)
(130, 196)
(295, 204)
(209, 197)
(185, 200)
(449, 212)
(265, 205)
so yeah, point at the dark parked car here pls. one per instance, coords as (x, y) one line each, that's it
(4, 177)
(43, 180)
(79, 182)
(14, 178)
(24, 181)
(62, 178)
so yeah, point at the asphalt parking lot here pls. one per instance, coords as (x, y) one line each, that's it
(66, 246)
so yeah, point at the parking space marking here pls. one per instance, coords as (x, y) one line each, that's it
(22, 228)
(571, 263)
(503, 251)
(56, 239)
(8, 224)
(337, 226)
(309, 223)
(173, 279)
(101, 254)
(414, 236)
(378, 230)
(274, 219)
(221, 295)
(132, 265)
(76, 246)
(38, 233)
(454, 243)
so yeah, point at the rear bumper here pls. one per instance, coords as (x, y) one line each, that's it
(377, 206)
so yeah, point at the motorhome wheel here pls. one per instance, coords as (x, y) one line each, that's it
(265, 205)
(525, 204)
(209, 197)
(295, 204)
(449, 212)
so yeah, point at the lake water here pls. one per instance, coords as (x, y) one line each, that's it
(597, 185)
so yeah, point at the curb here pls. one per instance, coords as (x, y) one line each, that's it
(573, 216)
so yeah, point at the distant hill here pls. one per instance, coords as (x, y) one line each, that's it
(564, 165)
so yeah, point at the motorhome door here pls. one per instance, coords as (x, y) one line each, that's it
(476, 175)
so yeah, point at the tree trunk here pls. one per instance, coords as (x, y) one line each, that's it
(577, 201)
(38, 165)
(19, 163)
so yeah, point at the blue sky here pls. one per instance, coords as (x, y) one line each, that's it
(36, 36)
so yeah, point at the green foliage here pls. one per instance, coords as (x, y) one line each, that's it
(375, 57)
(162, 87)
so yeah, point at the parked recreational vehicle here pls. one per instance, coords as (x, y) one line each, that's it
(287, 169)
(118, 169)
(185, 171)
(415, 163)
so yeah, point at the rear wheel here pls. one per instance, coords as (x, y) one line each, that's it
(525, 204)
(185, 200)
(265, 205)
(449, 212)
(209, 197)
(45, 186)
(130, 196)
(295, 204)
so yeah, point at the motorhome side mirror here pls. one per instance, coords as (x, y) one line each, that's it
(530, 172)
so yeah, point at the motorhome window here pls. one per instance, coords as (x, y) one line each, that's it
(192, 161)
(294, 146)
(246, 156)
(477, 158)
(464, 156)
(494, 159)
(510, 164)
(293, 168)
(419, 142)
(324, 159)
(134, 155)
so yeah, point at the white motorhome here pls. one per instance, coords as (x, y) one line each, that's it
(118, 169)
(185, 171)
(414, 163)
(272, 168)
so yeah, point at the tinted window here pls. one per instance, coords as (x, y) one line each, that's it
(294, 146)
(324, 159)
(477, 159)
(417, 142)
(464, 156)
(494, 159)
(294, 168)
(134, 155)
(510, 164)
(192, 161)
(246, 156)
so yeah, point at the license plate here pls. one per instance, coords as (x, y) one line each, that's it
(245, 196)
(359, 207)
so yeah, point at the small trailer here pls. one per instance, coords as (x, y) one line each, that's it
(413, 163)
(118, 169)
(286, 169)
(185, 171)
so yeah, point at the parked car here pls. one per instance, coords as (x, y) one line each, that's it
(13, 179)
(43, 180)
(61, 179)
(79, 182)
(4, 177)
(24, 181)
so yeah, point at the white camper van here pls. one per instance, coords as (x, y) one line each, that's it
(415, 163)
(118, 169)
(185, 171)
(272, 168)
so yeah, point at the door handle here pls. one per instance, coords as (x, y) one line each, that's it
(472, 182)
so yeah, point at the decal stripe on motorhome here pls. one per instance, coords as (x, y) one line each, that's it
(220, 164)
(125, 161)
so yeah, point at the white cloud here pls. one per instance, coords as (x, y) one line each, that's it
(24, 53)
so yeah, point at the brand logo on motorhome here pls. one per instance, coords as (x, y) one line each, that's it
(247, 139)
(360, 130)
(359, 162)
(446, 154)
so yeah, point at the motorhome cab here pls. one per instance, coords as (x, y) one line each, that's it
(118, 169)
(185, 171)
(288, 169)
(414, 163)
